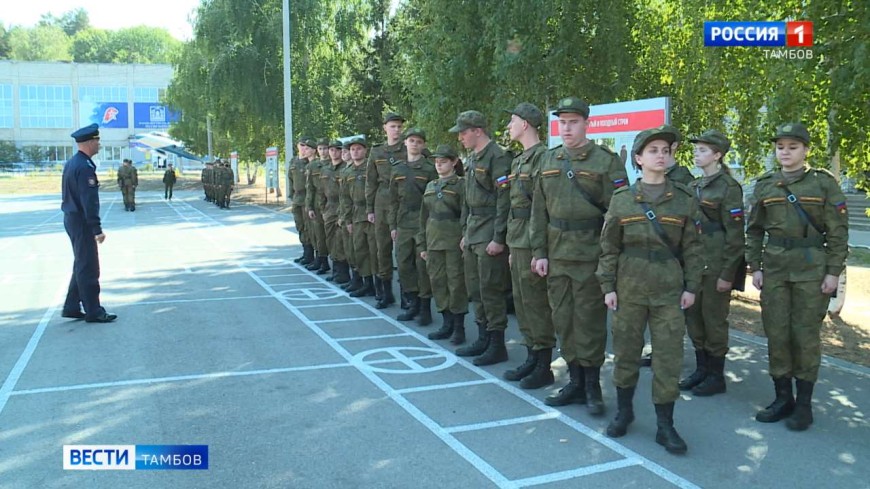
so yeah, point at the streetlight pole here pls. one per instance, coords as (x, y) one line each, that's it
(288, 102)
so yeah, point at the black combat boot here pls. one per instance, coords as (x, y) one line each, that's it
(403, 298)
(715, 381)
(524, 369)
(594, 400)
(324, 265)
(425, 318)
(495, 352)
(307, 254)
(802, 417)
(315, 263)
(542, 374)
(699, 374)
(666, 435)
(782, 406)
(624, 412)
(367, 288)
(574, 391)
(413, 306)
(379, 289)
(458, 336)
(446, 328)
(355, 282)
(479, 345)
(342, 275)
(300, 257)
(388, 298)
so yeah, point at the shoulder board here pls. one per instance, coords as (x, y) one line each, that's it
(683, 188)
(728, 180)
(622, 190)
(823, 171)
(766, 175)
(607, 149)
(377, 145)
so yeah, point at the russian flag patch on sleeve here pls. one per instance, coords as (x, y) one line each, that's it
(841, 207)
(502, 181)
(736, 214)
(619, 182)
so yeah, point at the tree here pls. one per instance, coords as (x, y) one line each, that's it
(92, 46)
(9, 152)
(41, 43)
(142, 45)
(34, 154)
(4, 42)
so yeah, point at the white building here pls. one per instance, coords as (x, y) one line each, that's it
(41, 103)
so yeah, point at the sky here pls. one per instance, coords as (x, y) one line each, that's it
(108, 14)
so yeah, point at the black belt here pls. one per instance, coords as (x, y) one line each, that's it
(577, 224)
(443, 216)
(521, 212)
(647, 254)
(483, 211)
(790, 243)
(711, 227)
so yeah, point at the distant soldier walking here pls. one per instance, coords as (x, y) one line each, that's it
(169, 179)
(128, 179)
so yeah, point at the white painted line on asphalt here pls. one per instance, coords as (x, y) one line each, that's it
(438, 387)
(374, 337)
(502, 422)
(576, 473)
(178, 378)
(185, 301)
(286, 275)
(296, 283)
(344, 320)
(312, 306)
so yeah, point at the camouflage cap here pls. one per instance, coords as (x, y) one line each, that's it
(529, 113)
(673, 130)
(415, 131)
(392, 116)
(645, 137)
(572, 105)
(792, 130)
(713, 138)
(335, 143)
(360, 141)
(323, 142)
(445, 151)
(308, 141)
(469, 119)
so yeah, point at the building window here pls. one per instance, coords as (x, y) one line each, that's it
(110, 153)
(45, 106)
(148, 94)
(103, 94)
(59, 154)
(6, 115)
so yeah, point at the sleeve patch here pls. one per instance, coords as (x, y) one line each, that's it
(736, 214)
(841, 207)
(502, 181)
(92, 182)
(619, 183)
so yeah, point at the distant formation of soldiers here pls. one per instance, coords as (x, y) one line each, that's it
(576, 241)
(218, 181)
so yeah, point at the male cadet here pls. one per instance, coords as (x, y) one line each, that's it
(486, 271)
(169, 179)
(80, 190)
(530, 290)
(202, 179)
(409, 180)
(218, 183)
(128, 179)
(229, 183)
(297, 172)
(364, 245)
(345, 217)
(330, 176)
(572, 193)
(208, 178)
(381, 161)
(313, 198)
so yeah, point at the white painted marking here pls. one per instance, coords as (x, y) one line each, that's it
(576, 473)
(452, 385)
(502, 422)
(185, 301)
(373, 337)
(344, 320)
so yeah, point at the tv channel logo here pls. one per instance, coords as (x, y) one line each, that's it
(135, 457)
(797, 34)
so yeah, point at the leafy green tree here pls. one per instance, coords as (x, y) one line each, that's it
(4, 42)
(9, 152)
(92, 46)
(34, 154)
(71, 22)
(41, 43)
(142, 45)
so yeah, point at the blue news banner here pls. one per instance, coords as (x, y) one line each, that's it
(135, 457)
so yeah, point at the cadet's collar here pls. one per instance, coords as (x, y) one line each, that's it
(707, 180)
(452, 178)
(486, 149)
(667, 195)
(577, 153)
(783, 179)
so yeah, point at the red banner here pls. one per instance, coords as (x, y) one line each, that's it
(626, 122)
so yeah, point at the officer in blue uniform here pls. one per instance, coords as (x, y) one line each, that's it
(81, 218)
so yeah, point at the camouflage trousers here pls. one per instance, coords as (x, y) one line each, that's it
(792, 313)
(318, 234)
(412, 269)
(579, 314)
(383, 261)
(334, 238)
(667, 326)
(486, 278)
(364, 247)
(129, 194)
(301, 220)
(707, 319)
(530, 301)
(347, 240)
(447, 274)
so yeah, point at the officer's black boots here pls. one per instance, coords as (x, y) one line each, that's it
(495, 352)
(594, 401)
(387, 297)
(802, 417)
(413, 301)
(425, 318)
(458, 336)
(715, 381)
(624, 412)
(479, 345)
(699, 374)
(574, 392)
(542, 375)
(666, 435)
(782, 406)
(367, 288)
(524, 369)
(446, 328)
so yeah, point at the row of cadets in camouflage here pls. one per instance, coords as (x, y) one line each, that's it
(223, 181)
(206, 178)
(128, 180)
(353, 213)
(314, 200)
(329, 191)
(306, 149)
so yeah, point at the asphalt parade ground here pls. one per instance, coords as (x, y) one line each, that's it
(223, 341)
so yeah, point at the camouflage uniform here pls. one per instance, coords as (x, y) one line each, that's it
(330, 176)
(364, 244)
(128, 179)
(795, 260)
(345, 213)
(203, 178)
(297, 172)
(679, 174)
(218, 184)
(313, 200)
(229, 183)
(565, 229)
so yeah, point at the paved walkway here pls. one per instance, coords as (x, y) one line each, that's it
(223, 341)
